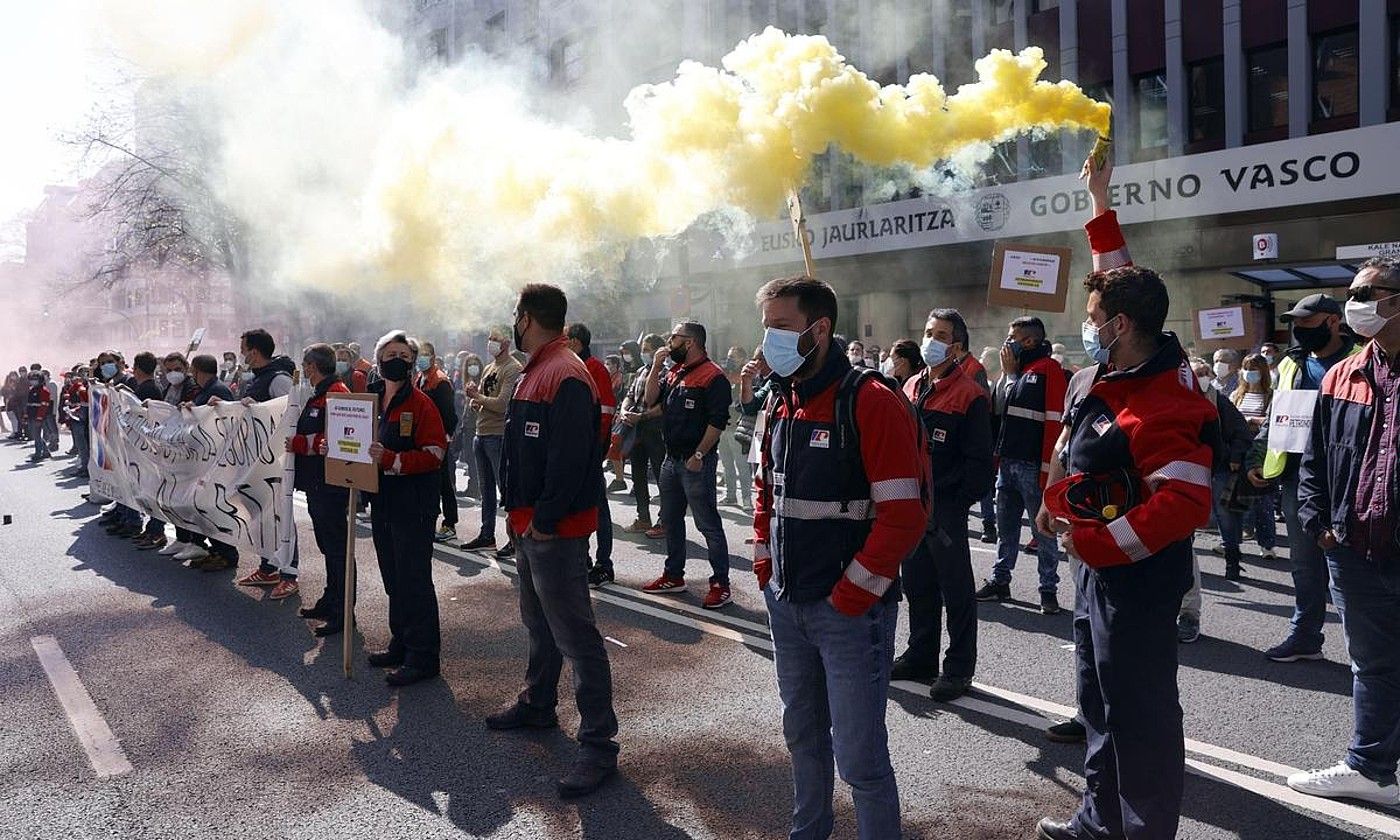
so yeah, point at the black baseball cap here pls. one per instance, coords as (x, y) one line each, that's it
(1313, 305)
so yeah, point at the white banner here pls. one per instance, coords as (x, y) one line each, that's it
(1290, 423)
(217, 469)
(1306, 170)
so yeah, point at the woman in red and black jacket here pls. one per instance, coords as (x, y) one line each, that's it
(410, 447)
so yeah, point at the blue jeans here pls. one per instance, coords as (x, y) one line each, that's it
(681, 488)
(1309, 575)
(1261, 518)
(1018, 493)
(1231, 524)
(488, 467)
(834, 680)
(989, 509)
(1367, 595)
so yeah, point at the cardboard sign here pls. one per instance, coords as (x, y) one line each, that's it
(1290, 420)
(1228, 327)
(196, 340)
(351, 421)
(1029, 277)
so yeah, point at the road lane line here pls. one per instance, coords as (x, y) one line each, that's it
(102, 748)
(615, 641)
(1033, 712)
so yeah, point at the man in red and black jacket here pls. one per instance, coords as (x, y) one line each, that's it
(1137, 450)
(580, 340)
(695, 397)
(1035, 401)
(38, 406)
(433, 382)
(325, 502)
(937, 577)
(552, 468)
(838, 506)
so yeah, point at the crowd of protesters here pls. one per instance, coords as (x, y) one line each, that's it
(861, 466)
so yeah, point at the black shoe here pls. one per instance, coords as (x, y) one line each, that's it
(479, 544)
(506, 552)
(316, 613)
(599, 576)
(989, 534)
(385, 659)
(518, 716)
(126, 532)
(617, 486)
(1049, 829)
(330, 628)
(908, 669)
(993, 591)
(1069, 732)
(1049, 604)
(946, 689)
(409, 674)
(584, 778)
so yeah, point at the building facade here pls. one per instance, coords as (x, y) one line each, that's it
(1232, 118)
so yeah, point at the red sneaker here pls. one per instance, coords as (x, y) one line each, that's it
(665, 585)
(260, 578)
(656, 533)
(285, 588)
(717, 597)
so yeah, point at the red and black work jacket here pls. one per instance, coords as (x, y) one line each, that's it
(310, 432)
(694, 397)
(1034, 411)
(552, 461)
(818, 530)
(1152, 424)
(607, 400)
(956, 413)
(413, 438)
(39, 404)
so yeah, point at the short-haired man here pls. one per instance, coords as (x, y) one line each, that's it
(1030, 424)
(38, 407)
(210, 387)
(553, 469)
(490, 399)
(1351, 507)
(938, 575)
(838, 506)
(147, 388)
(326, 503)
(695, 397)
(580, 340)
(1138, 465)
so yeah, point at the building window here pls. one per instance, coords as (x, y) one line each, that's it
(1267, 80)
(437, 44)
(1044, 5)
(1150, 98)
(1334, 74)
(815, 18)
(496, 33)
(1206, 106)
(1395, 63)
(998, 11)
(565, 62)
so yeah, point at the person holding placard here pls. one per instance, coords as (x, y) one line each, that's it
(1317, 327)
(326, 503)
(409, 451)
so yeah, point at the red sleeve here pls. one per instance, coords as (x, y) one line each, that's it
(429, 442)
(762, 511)
(889, 449)
(359, 382)
(1166, 445)
(1106, 242)
(607, 401)
(1055, 387)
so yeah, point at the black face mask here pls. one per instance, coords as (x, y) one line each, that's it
(678, 355)
(394, 370)
(516, 334)
(1312, 338)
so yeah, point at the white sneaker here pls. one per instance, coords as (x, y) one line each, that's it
(192, 552)
(1342, 781)
(175, 547)
(1268, 554)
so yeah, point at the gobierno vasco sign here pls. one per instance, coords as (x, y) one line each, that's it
(1327, 167)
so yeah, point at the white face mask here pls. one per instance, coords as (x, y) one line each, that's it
(1364, 319)
(175, 377)
(493, 348)
(1222, 370)
(1204, 383)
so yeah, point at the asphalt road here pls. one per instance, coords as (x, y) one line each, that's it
(238, 723)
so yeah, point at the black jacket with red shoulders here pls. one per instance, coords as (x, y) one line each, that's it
(552, 461)
(957, 414)
(311, 430)
(410, 429)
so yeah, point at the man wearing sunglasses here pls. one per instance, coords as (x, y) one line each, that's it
(1321, 344)
(1350, 507)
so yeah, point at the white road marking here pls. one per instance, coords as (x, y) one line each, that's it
(1033, 711)
(614, 641)
(101, 746)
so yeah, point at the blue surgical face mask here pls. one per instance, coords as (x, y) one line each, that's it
(423, 363)
(1093, 347)
(109, 370)
(1251, 377)
(342, 368)
(780, 350)
(935, 352)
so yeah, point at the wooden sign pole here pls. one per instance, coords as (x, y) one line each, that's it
(799, 227)
(348, 642)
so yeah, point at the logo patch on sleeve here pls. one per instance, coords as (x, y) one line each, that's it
(1102, 424)
(821, 439)
(532, 429)
(689, 404)
(940, 435)
(1032, 378)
